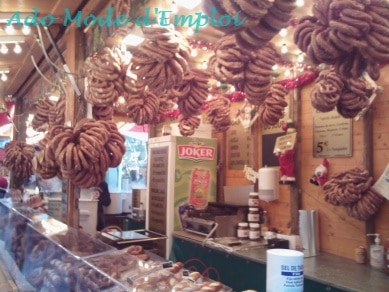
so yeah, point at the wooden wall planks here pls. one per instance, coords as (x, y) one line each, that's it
(339, 233)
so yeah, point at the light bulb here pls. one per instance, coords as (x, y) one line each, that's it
(26, 29)
(17, 49)
(189, 31)
(4, 77)
(300, 3)
(194, 53)
(174, 7)
(275, 67)
(121, 100)
(9, 29)
(284, 49)
(4, 49)
(204, 65)
(287, 72)
(300, 58)
(283, 32)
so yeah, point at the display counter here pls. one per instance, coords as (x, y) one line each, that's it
(40, 253)
(245, 268)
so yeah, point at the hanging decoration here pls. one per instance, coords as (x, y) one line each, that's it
(300, 80)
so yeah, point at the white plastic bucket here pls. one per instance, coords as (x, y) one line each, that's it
(284, 270)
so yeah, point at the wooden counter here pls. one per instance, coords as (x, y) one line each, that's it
(324, 272)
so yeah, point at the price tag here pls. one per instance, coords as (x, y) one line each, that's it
(332, 135)
(285, 142)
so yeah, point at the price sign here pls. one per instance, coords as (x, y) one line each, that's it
(332, 135)
(285, 142)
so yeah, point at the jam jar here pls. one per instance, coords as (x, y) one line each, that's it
(254, 232)
(253, 200)
(253, 215)
(243, 230)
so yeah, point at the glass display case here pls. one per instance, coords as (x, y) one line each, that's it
(43, 254)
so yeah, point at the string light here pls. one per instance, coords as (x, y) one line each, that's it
(189, 31)
(174, 7)
(26, 30)
(204, 65)
(283, 32)
(300, 3)
(193, 53)
(4, 49)
(287, 72)
(17, 49)
(275, 67)
(10, 29)
(4, 77)
(284, 49)
(300, 58)
(121, 100)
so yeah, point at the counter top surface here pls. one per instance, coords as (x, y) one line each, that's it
(324, 268)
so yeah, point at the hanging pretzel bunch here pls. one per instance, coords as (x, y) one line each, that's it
(351, 35)
(18, 158)
(348, 96)
(273, 107)
(161, 60)
(353, 189)
(218, 113)
(263, 19)
(81, 154)
(105, 74)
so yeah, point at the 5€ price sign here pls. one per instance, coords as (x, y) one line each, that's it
(321, 146)
(332, 135)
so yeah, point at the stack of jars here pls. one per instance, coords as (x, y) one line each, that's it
(251, 229)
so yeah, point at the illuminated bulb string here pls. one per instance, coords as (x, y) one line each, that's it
(17, 49)
(4, 77)
(300, 3)
(284, 49)
(300, 58)
(283, 32)
(4, 49)
(26, 29)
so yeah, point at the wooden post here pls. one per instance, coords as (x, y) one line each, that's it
(368, 160)
(74, 111)
(295, 194)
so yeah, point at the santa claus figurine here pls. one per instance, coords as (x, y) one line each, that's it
(286, 157)
(320, 176)
(286, 160)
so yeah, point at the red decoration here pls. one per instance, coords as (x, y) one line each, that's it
(299, 81)
(197, 44)
(237, 96)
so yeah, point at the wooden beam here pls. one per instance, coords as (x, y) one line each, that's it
(295, 194)
(73, 56)
(368, 161)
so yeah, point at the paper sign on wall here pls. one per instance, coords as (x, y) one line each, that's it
(382, 184)
(332, 135)
(285, 142)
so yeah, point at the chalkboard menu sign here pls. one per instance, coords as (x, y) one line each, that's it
(158, 189)
(332, 135)
(240, 147)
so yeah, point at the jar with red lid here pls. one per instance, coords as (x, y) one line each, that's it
(254, 232)
(253, 215)
(253, 200)
(243, 231)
